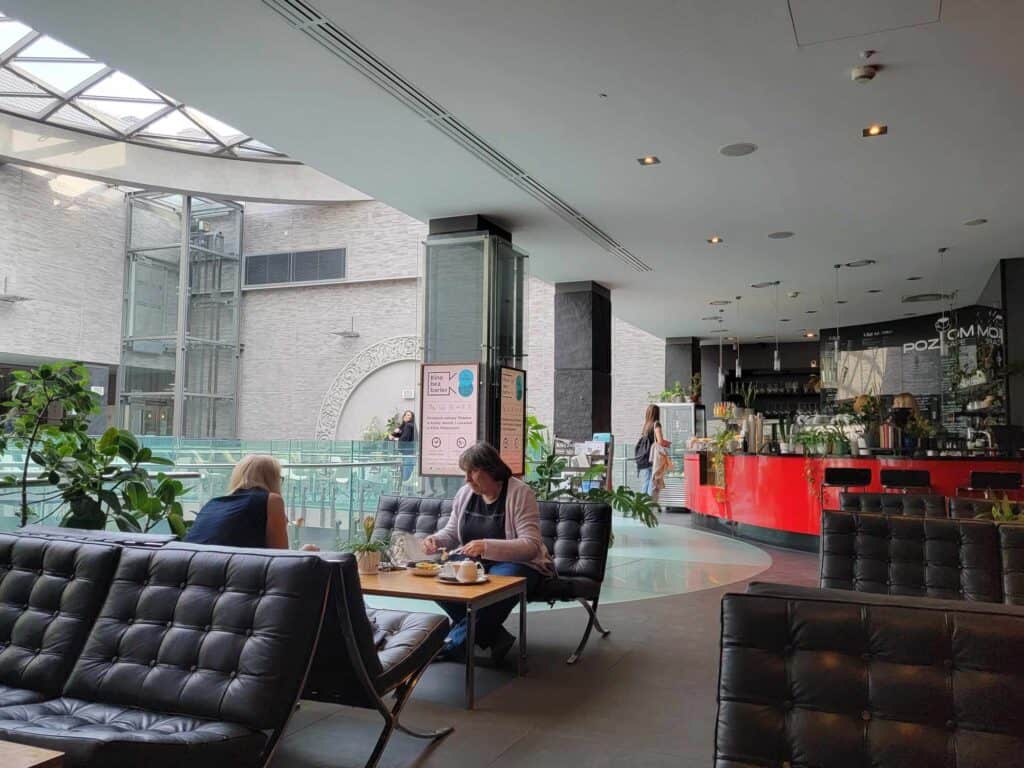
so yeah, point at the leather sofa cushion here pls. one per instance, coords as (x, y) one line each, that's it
(1011, 544)
(405, 643)
(966, 507)
(92, 734)
(50, 594)
(207, 632)
(841, 679)
(411, 514)
(566, 588)
(924, 504)
(10, 695)
(577, 535)
(915, 556)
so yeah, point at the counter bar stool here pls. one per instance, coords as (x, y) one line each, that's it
(992, 481)
(906, 480)
(844, 478)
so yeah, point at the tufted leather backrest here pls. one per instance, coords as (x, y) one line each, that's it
(922, 504)
(50, 594)
(967, 507)
(210, 632)
(334, 674)
(830, 680)
(919, 556)
(577, 534)
(410, 514)
(105, 537)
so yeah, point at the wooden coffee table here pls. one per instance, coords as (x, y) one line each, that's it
(22, 756)
(473, 596)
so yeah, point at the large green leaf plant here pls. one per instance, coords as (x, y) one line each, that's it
(94, 482)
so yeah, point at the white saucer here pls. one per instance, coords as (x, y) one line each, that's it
(452, 580)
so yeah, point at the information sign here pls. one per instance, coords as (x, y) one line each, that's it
(512, 419)
(449, 415)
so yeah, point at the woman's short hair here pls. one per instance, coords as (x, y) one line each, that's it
(257, 470)
(483, 456)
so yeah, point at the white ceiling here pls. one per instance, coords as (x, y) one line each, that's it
(682, 78)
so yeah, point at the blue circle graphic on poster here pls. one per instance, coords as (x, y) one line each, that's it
(465, 382)
(519, 387)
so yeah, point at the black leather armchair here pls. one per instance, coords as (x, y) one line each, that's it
(50, 595)
(577, 535)
(364, 655)
(922, 504)
(955, 559)
(813, 677)
(197, 658)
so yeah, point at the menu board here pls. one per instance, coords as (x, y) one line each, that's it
(512, 419)
(449, 415)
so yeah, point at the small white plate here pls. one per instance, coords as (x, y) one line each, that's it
(452, 580)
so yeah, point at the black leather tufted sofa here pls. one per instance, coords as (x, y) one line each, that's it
(197, 657)
(831, 679)
(50, 595)
(368, 654)
(923, 504)
(577, 535)
(954, 559)
(968, 507)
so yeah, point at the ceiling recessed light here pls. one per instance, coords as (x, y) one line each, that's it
(793, 294)
(975, 222)
(840, 301)
(919, 297)
(915, 277)
(910, 314)
(767, 284)
(720, 331)
(648, 160)
(874, 290)
(811, 311)
(719, 302)
(875, 130)
(782, 235)
(783, 319)
(712, 317)
(809, 334)
(861, 263)
(763, 338)
(715, 240)
(741, 149)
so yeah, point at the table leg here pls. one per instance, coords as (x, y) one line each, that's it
(522, 633)
(470, 657)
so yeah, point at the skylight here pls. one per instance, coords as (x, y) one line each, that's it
(43, 79)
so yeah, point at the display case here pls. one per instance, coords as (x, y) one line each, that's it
(679, 423)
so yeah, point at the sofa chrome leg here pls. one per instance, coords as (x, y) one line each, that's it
(591, 623)
(382, 742)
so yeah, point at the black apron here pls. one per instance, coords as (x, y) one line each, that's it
(482, 520)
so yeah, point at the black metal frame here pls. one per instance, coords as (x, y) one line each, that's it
(593, 623)
(402, 690)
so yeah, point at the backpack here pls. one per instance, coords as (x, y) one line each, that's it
(642, 452)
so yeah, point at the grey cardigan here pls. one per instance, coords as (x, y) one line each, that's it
(522, 542)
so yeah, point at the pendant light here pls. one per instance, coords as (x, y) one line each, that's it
(835, 346)
(943, 323)
(721, 370)
(739, 368)
(776, 358)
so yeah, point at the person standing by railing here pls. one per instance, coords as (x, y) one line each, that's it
(405, 435)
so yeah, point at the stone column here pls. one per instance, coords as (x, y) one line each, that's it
(583, 360)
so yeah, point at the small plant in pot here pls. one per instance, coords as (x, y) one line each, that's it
(368, 550)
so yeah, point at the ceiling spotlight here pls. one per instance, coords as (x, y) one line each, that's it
(715, 240)
(783, 319)
(914, 277)
(811, 311)
(861, 263)
(809, 334)
(840, 301)
(975, 222)
(793, 294)
(767, 284)
(865, 73)
(719, 302)
(648, 160)
(712, 317)
(741, 149)
(919, 297)
(874, 130)
(874, 290)
(782, 235)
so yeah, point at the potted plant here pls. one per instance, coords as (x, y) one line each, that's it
(920, 429)
(368, 550)
(693, 391)
(868, 408)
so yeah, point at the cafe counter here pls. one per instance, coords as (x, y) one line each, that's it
(775, 499)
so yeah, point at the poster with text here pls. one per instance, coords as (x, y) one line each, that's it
(449, 415)
(512, 419)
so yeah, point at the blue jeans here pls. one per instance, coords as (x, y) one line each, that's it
(489, 619)
(645, 480)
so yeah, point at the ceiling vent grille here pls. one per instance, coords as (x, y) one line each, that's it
(311, 22)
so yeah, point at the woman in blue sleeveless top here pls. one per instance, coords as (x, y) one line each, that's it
(251, 515)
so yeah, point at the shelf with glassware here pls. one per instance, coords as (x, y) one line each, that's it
(776, 394)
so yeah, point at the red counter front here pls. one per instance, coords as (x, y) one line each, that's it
(780, 493)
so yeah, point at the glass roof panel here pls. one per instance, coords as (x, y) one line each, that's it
(114, 105)
(120, 86)
(60, 75)
(26, 105)
(11, 32)
(123, 115)
(74, 118)
(11, 83)
(47, 47)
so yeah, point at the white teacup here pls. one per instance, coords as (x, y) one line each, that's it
(468, 571)
(448, 570)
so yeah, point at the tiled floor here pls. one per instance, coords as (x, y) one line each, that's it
(644, 696)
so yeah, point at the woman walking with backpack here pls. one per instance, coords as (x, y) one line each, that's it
(650, 435)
